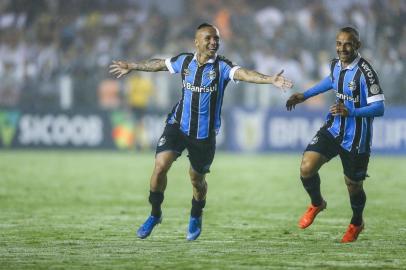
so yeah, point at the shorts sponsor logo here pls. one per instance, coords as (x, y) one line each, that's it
(314, 140)
(162, 141)
(374, 89)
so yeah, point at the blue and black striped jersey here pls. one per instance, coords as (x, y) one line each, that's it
(356, 86)
(198, 111)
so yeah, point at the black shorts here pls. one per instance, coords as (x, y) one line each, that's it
(201, 151)
(355, 165)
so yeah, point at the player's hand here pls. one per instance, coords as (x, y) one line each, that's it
(119, 68)
(281, 82)
(339, 109)
(294, 99)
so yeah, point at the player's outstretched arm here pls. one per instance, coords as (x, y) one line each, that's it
(293, 100)
(323, 86)
(121, 68)
(252, 76)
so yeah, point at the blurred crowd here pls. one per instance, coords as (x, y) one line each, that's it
(55, 54)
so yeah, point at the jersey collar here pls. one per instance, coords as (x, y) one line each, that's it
(353, 64)
(211, 60)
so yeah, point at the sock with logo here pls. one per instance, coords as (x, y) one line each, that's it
(312, 186)
(156, 198)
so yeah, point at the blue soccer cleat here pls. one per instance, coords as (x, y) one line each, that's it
(195, 228)
(145, 230)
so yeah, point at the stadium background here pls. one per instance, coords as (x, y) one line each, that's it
(64, 209)
(56, 91)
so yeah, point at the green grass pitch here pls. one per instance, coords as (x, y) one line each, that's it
(80, 210)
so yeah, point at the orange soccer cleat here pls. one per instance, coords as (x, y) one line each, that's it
(352, 233)
(308, 217)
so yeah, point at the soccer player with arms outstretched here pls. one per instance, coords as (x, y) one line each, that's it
(194, 120)
(347, 131)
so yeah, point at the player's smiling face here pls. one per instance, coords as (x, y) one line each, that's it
(207, 41)
(347, 47)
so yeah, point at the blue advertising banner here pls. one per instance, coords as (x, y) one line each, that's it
(281, 131)
(390, 132)
(242, 130)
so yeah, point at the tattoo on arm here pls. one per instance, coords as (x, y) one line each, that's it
(252, 76)
(150, 65)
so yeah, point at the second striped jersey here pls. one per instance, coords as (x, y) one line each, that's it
(356, 86)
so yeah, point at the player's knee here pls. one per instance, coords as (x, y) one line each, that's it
(161, 167)
(354, 189)
(307, 169)
(353, 186)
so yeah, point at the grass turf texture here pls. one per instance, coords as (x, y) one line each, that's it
(80, 210)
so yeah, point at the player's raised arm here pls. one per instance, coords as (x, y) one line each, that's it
(120, 68)
(252, 76)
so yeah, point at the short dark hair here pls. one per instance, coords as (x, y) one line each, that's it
(203, 25)
(352, 31)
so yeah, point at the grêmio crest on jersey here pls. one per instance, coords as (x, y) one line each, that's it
(212, 75)
(352, 85)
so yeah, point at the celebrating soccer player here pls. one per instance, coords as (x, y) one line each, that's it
(194, 120)
(347, 131)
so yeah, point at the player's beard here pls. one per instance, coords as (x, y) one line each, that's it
(211, 52)
(346, 57)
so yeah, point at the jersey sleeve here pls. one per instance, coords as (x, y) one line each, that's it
(323, 86)
(370, 84)
(174, 64)
(228, 69)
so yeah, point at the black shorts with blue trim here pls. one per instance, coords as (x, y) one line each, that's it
(355, 165)
(200, 151)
